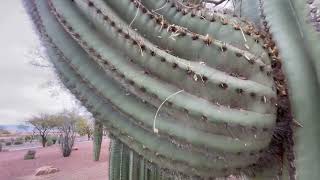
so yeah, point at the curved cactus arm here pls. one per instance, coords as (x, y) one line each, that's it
(75, 82)
(128, 105)
(145, 114)
(178, 145)
(94, 100)
(97, 139)
(303, 84)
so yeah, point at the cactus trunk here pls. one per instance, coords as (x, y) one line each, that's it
(97, 139)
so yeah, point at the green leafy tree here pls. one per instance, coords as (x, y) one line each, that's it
(43, 124)
(84, 127)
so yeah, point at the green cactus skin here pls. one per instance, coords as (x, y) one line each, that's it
(163, 89)
(199, 50)
(299, 49)
(220, 27)
(96, 103)
(115, 160)
(124, 76)
(202, 89)
(125, 109)
(97, 139)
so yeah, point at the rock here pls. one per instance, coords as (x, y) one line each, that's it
(75, 149)
(30, 154)
(46, 170)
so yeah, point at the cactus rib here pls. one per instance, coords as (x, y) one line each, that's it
(97, 104)
(230, 60)
(214, 87)
(220, 26)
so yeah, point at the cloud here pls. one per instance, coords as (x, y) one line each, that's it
(21, 95)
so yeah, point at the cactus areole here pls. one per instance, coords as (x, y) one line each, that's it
(192, 93)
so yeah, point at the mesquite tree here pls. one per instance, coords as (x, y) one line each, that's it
(43, 124)
(190, 93)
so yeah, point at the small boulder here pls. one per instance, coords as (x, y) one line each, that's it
(30, 154)
(75, 149)
(46, 170)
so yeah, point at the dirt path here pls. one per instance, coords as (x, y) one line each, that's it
(79, 166)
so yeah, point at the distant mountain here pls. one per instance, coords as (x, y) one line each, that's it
(17, 128)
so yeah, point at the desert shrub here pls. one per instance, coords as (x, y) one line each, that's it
(54, 139)
(49, 142)
(0, 147)
(19, 139)
(28, 138)
(67, 132)
(30, 154)
(18, 142)
(8, 143)
(4, 132)
(66, 145)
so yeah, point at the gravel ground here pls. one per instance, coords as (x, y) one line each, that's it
(79, 166)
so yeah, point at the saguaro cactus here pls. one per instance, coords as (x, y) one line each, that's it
(97, 139)
(189, 93)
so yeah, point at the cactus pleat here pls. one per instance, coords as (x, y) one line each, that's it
(134, 166)
(115, 160)
(155, 92)
(299, 48)
(219, 27)
(217, 54)
(142, 169)
(97, 104)
(191, 100)
(124, 163)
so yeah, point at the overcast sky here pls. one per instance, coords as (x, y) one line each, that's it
(23, 90)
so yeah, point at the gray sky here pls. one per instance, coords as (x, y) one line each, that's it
(22, 91)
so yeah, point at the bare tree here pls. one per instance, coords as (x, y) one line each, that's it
(67, 128)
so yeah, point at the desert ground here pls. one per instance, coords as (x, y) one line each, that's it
(79, 166)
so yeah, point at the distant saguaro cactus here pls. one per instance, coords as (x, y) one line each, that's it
(191, 93)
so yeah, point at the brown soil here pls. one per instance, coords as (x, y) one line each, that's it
(79, 166)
